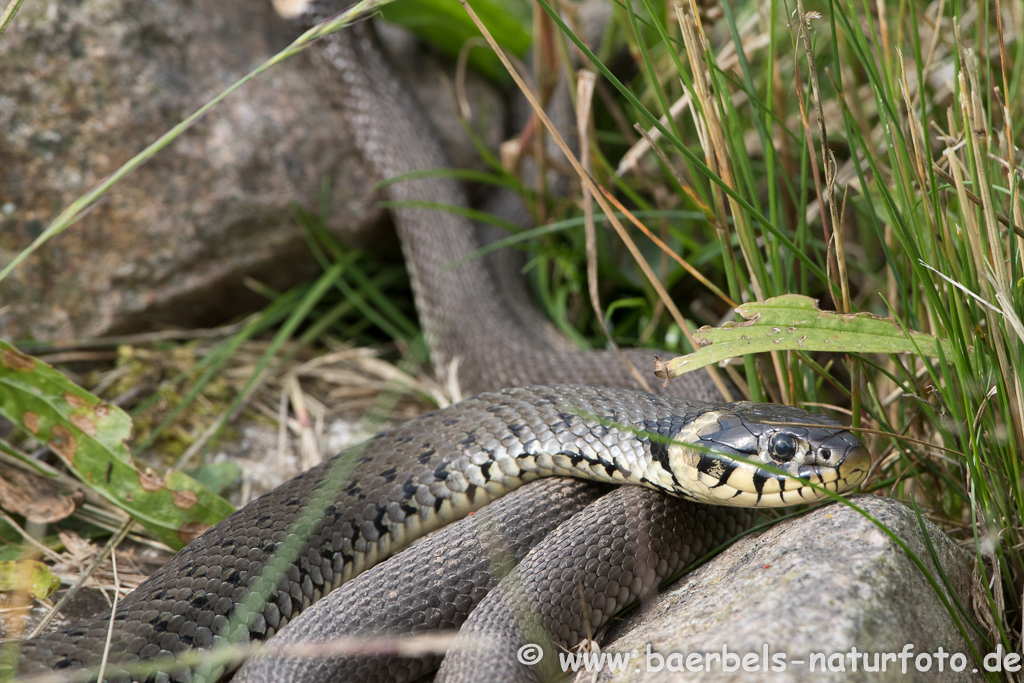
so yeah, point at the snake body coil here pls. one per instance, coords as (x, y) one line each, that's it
(434, 470)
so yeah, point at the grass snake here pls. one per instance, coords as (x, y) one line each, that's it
(538, 420)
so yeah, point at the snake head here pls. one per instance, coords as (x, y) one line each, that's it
(719, 454)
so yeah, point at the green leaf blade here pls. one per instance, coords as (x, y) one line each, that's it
(91, 437)
(795, 323)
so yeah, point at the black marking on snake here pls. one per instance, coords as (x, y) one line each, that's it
(451, 421)
(468, 441)
(438, 502)
(389, 474)
(424, 457)
(611, 468)
(659, 451)
(707, 464)
(441, 472)
(760, 478)
(667, 427)
(730, 467)
(378, 519)
(714, 467)
(204, 601)
(485, 468)
(409, 510)
(409, 489)
(574, 457)
(517, 430)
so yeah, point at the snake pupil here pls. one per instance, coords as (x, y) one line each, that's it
(782, 447)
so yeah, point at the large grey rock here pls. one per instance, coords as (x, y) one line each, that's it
(87, 85)
(826, 582)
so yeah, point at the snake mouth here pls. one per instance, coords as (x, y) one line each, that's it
(730, 479)
(724, 459)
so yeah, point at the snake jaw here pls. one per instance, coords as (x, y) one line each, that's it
(721, 454)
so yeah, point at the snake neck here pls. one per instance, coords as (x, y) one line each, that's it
(459, 305)
(471, 312)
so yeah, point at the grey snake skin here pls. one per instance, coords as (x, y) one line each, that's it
(432, 586)
(347, 515)
(617, 561)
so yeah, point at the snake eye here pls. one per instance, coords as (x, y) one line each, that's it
(782, 447)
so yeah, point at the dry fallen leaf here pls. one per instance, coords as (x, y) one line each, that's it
(35, 498)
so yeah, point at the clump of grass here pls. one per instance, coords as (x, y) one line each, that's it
(868, 157)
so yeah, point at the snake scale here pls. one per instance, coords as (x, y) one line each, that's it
(257, 570)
